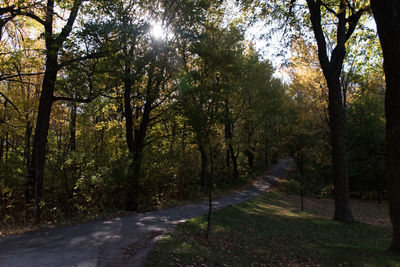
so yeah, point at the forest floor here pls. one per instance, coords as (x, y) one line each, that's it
(121, 241)
(270, 230)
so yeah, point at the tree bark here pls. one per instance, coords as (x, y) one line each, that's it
(387, 18)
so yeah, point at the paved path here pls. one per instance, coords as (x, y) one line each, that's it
(123, 241)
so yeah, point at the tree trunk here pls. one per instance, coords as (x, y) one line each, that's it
(34, 179)
(137, 144)
(300, 165)
(339, 154)
(230, 153)
(72, 128)
(250, 158)
(210, 187)
(6, 157)
(70, 185)
(386, 14)
(27, 149)
(332, 69)
(1, 150)
(132, 202)
(204, 163)
(234, 164)
(266, 154)
(228, 158)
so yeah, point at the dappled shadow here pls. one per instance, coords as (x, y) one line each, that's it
(277, 236)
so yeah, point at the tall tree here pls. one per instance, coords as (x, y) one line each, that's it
(386, 14)
(347, 17)
(46, 15)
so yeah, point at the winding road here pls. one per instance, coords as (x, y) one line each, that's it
(122, 241)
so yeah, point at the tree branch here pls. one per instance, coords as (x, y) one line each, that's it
(329, 9)
(70, 22)
(74, 60)
(75, 100)
(7, 100)
(315, 11)
(353, 20)
(5, 77)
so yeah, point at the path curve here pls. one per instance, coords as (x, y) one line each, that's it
(122, 241)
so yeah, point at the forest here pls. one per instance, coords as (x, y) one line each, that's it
(136, 105)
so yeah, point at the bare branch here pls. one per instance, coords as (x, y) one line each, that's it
(75, 100)
(353, 20)
(11, 76)
(330, 10)
(7, 100)
(70, 22)
(74, 60)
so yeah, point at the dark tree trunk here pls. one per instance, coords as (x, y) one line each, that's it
(72, 128)
(230, 153)
(266, 154)
(27, 149)
(234, 164)
(210, 187)
(34, 179)
(6, 157)
(339, 154)
(1, 149)
(387, 18)
(228, 158)
(300, 165)
(204, 163)
(70, 185)
(250, 158)
(137, 144)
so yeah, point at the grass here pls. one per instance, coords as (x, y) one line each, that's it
(271, 231)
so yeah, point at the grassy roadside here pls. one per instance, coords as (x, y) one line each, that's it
(270, 231)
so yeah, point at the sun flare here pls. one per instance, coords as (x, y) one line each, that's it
(157, 30)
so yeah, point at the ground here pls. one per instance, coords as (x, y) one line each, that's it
(121, 241)
(271, 231)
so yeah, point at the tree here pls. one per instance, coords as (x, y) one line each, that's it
(46, 15)
(347, 17)
(388, 26)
